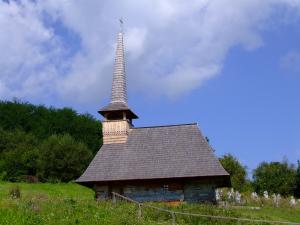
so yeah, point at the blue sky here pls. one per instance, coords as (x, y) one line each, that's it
(232, 68)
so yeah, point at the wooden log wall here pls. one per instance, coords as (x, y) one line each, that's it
(199, 192)
(189, 191)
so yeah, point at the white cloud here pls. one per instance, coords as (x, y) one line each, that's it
(186, 78)
(24, 58)
(173, 46)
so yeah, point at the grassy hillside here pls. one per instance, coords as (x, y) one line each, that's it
(73, 204)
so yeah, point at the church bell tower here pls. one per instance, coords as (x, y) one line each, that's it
(117, 115)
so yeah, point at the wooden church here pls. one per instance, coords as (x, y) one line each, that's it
(159, 163)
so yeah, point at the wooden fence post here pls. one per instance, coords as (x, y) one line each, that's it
(173, 218)
(173, 214)
(139, 211)
(114, 200)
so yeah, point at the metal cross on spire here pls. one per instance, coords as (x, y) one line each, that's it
(121, 25)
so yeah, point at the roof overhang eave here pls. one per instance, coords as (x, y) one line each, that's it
(221, 180)
(127, 111)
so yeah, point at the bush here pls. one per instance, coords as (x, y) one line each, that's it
(275, 177)
(15, 192)
(3, 175)
(236, 170)
(18, 155)
(62, 159)
(297, 190)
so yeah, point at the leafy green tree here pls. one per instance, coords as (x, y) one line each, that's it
(275, 177)
(62, 158)
(23, 129)
(43, 122)
(297, 191)
(18, 154)
(237, 172)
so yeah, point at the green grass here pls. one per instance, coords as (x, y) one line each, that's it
(61, 204)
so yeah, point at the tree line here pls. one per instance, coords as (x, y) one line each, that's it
(49, 145)
(44, 143)
(275, 177)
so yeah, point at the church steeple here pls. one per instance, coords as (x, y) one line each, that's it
(119, 92)
(117, 115)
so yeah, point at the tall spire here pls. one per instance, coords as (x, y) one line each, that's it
(119, 92)
(118, 106)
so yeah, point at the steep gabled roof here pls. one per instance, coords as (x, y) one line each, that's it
(161, 152)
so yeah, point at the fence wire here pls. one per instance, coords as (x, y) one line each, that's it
(173, 215)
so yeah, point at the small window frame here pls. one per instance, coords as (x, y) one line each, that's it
(166, 187)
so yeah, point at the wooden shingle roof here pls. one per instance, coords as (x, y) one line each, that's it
(118, 106)
(178, 151)
(118, 100)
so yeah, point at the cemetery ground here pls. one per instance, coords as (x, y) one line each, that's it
(69, 203)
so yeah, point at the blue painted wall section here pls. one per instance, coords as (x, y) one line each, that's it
(101, 192)
(198, 192)
(144, 194)
(190, 191)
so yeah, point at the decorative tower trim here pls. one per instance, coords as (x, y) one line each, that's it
(115, 131)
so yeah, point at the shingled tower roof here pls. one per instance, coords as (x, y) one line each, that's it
(119, 92)
(118, 101)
